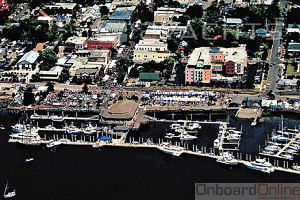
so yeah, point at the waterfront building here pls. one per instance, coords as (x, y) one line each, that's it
(206, 63)
(121, 111)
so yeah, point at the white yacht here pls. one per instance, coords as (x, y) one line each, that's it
(175, 126)
(53, 144)
(74, 130)
(169, 135)
(227, 158)
(98, 144)
(280, 138)
(186, 136)
(56, 118)
(233, 137)
(6, 194)
(216, 143)
(18, 127)
(29, 159)
(261, 165)
(193, 126)
(171, 149)
(273, 147)
(90, 129)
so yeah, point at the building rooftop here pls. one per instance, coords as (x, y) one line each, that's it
(123, 13)
(233, 21)
(123, 110)
(76, 40)
(104, 39)
(86, 70)
(30, 57)
(149, 76)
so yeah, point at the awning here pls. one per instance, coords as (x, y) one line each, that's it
(105, 138)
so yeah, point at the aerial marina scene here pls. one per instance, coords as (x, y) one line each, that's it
(154, 99)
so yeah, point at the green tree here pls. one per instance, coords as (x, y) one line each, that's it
(48, 59)
(85, 89)
(64, 75)
(28, 98)
(50, 86)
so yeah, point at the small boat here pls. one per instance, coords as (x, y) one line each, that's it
(175, 126)
(233, 137)
(18, 127)
(90, 129)
(273, 147)
(171, 149)
(2, 127)
(74, 130)
(185, 136)
(169, 135)
(193, 126)
(29, 159)
(56, 118)
(49, 127)
(280, 138)
(54, 144)
(8, 195)
(261, 165)
(98, 145)
(216, 143)
(227, 158)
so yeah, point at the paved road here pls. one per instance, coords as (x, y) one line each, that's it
(273, 73)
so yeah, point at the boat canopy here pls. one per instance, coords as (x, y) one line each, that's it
(105, 138)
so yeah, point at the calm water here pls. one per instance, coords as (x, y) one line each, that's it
(72, 172)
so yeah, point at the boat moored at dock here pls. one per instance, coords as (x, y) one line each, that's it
(261, 165)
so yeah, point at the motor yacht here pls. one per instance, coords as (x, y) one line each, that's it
(90, 129)
(261, 165)
(54, 144)
(171, 149)
(216, 143)
(193, 126)
(56, 118)
(18, 127)
(186, 136)
(227, 158)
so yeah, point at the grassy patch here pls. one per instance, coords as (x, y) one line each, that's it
(290, 71)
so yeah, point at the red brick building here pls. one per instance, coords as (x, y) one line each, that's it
(103, 42)
(229, 69)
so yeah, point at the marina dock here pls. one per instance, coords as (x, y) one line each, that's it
(195, 151)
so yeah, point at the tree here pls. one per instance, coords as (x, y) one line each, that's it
(48, 59)
(104, 17)
(69, 30)
(134, 73)
(28, 98)
(50, 86)
(64, 75)
(85, 89)
(104, 10)
(194, 11)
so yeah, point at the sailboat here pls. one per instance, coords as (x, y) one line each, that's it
(6, 194)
